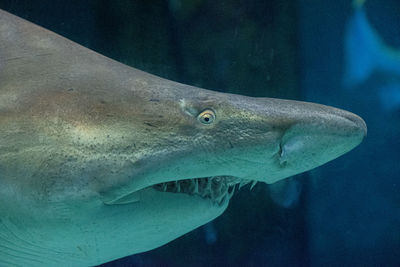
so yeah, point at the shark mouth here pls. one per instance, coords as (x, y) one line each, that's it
(218, 189)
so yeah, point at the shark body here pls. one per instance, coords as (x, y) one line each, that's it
(99, 160)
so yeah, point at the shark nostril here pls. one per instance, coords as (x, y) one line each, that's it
(282, 156)
(280, 150)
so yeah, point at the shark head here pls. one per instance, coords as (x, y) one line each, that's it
(201, 137)
(99, 160)
(203, 143)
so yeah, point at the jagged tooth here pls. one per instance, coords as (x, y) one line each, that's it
(226, 196)
(164, 187)
(243, 183)
(224, 200)
(178, 186)
(219, 199)
(221, 196)
(208, 190)
(253, 184)
(232, 192)
(219, 186)
(227, 190)
(209, 183)
(191, 185)
(196, 186)
(203, 187)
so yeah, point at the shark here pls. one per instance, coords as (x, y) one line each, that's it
(99, 160)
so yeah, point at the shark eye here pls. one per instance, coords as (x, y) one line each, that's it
(206, 117)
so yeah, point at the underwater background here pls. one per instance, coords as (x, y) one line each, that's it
(341, 53)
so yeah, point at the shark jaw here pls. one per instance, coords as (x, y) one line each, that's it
(218, 189)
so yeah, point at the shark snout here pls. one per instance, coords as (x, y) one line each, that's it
(318, 136)
(296, 137)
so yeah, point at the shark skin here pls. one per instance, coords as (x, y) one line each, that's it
(99, 160)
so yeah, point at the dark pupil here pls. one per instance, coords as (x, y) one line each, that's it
(206, 119)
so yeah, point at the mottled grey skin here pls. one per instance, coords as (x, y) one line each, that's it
(79, 132)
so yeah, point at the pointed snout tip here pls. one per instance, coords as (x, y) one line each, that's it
(360, 124)
(363, 127)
